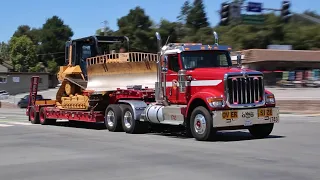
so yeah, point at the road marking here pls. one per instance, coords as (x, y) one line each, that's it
(5, 125)
(21, 123)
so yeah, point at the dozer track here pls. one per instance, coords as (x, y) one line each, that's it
(70, 96)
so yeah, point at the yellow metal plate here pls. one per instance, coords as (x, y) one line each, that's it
(233, 114)
(265, 112)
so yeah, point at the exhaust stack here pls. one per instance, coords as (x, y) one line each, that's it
(216, 38)
(161, 74)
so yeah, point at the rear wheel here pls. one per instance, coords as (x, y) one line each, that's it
(112, 119)
(129, 124)
(201, 124)
(33, 116)
(261, 130)
(43, 118)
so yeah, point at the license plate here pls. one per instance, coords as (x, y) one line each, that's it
(229, 114)
(265, 112)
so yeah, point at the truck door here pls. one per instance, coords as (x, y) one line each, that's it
(172, 91)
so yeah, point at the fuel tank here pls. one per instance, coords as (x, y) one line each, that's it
(154, 113)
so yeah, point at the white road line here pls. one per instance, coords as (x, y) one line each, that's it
(5, 125)
(21, 123)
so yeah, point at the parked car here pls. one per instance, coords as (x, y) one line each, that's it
(23, 103)
(4, 95)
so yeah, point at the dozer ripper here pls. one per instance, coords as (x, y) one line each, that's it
(190, 85)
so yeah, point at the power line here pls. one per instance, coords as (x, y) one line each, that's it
(50, 53)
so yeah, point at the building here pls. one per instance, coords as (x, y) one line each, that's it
(285, 60)
(19, 82)
(277, 64)
(5, 67)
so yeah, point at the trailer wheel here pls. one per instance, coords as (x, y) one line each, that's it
(33, 116)
(112, 118)
(129, 124)
(43, 119)
(261, 130)
(201, 124)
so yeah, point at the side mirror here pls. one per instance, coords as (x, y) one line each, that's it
(239, 60)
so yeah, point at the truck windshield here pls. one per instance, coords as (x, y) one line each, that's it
(205, 59)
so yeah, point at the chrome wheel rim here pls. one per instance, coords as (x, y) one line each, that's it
(110, 118)
(127, 119)
(200, 124)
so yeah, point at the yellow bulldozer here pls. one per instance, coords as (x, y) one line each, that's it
(91, 67)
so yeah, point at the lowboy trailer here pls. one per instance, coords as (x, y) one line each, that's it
(186, 84)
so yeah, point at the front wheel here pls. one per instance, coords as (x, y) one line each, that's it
(201, 124)
(261, 130)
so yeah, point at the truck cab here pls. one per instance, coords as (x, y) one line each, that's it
(199, 87)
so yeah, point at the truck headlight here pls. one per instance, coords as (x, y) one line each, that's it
(270, 99)
(215, 102)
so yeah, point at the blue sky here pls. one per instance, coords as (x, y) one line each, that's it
(85, 18)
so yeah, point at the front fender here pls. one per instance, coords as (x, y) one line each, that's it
(203, 94)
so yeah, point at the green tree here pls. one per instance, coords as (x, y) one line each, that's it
(33, 33)
(23, 53)
(138, 27)
(184, 11)
(4, 52)
(197, 17)
(167, 29)
(54, 34)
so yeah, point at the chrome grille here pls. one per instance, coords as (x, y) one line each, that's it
(244, 89)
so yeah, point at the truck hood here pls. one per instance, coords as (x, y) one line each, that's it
(214, 73)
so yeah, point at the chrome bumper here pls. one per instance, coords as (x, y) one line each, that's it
(245, 117)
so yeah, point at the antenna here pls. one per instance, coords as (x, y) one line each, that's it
(167, 40)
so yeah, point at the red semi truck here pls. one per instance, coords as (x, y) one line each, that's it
(189, 85)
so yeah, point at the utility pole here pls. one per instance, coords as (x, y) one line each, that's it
(104, 28)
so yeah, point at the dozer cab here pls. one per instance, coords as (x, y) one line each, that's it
(93, 67)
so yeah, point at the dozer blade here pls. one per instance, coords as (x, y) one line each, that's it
(109, 74)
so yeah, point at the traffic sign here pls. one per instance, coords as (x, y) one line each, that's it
(254, 7)
(252, 19)
(235, 10)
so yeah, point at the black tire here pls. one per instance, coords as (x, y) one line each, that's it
(33, 116)
(112, 118)
(43, 119)
(261, 130)
(129, 124)
(208, 131)
(188, 132)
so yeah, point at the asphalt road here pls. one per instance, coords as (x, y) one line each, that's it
(36, 152)
(280, 93)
